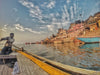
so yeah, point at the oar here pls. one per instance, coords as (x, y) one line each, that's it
(22, 49)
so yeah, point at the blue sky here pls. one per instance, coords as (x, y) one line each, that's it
(33, 20)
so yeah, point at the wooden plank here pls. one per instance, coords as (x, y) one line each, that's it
(5, 70)
(21, 65)
(48, 68)
(1, 68)
(27, 67)
(7, 56)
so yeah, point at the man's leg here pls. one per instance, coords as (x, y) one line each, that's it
(9, 50)
(3, 52)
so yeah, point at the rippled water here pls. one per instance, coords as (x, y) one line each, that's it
(86, 56)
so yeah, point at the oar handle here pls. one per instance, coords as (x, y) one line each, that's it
(16, 46)
(22, 49)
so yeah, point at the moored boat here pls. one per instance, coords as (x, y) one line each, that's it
(90, 39)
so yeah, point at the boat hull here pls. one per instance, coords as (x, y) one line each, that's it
(89, 39)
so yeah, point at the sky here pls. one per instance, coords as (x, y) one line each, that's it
(34, 20)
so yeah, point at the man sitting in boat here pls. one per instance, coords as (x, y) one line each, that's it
(8, 45)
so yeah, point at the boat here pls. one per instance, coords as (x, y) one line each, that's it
(17, 64)
(31, 64)
(93, 39)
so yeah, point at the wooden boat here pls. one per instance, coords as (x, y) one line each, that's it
(90, 39)
(6, 64)
(42, 66)
(26, 67)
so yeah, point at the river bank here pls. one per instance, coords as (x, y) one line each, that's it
(88, 27)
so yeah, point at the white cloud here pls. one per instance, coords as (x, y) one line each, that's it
(30, 30)
(36, 12)
(58, 22)
(21, 28)
(68, 1)
(54, 19)
(52, 15)
(65, 21)
(75, 8)
(44, 4)
(33, 10)
(72, 13)
(55, 24)
(50, 27)
(51, 4)
(66, 12)
(26, 3)
(65, 18)
(42, 27)
(4, 28)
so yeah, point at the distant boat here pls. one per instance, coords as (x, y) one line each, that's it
(92, 39)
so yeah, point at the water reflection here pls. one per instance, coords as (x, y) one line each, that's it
(90, 46)
(86, 56)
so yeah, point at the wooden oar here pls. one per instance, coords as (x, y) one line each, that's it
(22, 49)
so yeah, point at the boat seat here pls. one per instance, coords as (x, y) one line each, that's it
(7, 56)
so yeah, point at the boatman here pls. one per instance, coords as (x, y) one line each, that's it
(8, 45)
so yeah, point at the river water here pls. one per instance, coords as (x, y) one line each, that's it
(86, 56)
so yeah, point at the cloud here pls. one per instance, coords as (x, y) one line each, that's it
(95, 9)
(42, 27)
(53, 20)
(21, 28)
(55, 25)
(30, 30)
(75, 8)
(50, 27)
(44, 4)
(34, 11)
(68, 1)
(65, 21)
(58, 22)
(4, 28)
(52, 14)
(51, 4)
(66, 12)
(26, 3)
(72, 13)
